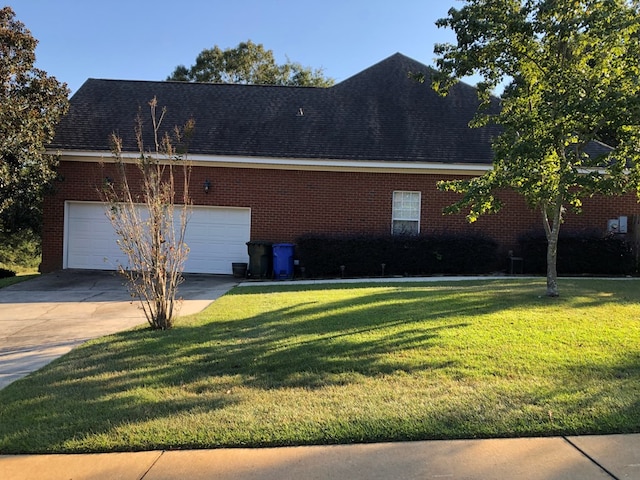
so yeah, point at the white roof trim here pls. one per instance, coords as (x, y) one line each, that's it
(294, 163)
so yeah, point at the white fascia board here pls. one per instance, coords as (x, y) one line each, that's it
(317, 164)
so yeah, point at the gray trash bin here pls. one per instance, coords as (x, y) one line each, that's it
(260, 259)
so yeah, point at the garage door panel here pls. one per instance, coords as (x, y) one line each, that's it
(216, 237)
(225, 237)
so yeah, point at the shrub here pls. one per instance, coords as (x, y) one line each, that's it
(364, 255)
(151, 234)
(20, 251)
(579, 252)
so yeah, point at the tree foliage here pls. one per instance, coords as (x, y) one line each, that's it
(248, 63)
(149, 208)
(31, 104)
(575, 75)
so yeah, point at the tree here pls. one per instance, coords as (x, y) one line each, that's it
(575, 75)
(31, 104)
(149, 222)
(248, 63)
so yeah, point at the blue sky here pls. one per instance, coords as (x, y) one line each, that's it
(146, 40)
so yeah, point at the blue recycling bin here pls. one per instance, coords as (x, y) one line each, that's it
(283, 261)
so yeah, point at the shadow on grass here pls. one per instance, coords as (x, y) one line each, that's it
(143, 375)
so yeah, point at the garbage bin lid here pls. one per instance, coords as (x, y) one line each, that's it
(259, 242)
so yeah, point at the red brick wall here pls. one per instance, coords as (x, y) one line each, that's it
(288, 203)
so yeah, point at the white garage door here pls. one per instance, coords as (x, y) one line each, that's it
(216, 237)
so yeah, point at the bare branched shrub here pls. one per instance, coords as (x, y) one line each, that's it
(149, 211)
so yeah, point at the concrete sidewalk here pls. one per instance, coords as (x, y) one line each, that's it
(555, 458)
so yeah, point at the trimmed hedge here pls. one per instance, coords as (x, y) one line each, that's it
(363, 255)
(579, 252)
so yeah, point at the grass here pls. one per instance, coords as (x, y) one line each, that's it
(296, 365)
(5, 282)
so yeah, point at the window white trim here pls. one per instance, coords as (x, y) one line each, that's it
(405, 212)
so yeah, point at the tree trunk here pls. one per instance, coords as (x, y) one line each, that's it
(552, 257)
(552, 231)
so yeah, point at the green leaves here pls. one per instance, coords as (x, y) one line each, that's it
(31, 104)
(575, 74)
(248, 63)
(575, 78)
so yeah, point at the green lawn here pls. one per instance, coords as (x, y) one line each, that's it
(5, 282)
(297, 365)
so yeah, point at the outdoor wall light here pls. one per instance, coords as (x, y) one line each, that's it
(207, 186)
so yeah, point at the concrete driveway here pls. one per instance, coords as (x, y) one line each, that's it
(44, 318)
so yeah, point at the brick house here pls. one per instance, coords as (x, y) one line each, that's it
(362, 156)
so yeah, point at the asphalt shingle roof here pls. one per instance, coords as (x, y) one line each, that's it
(377, 114)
